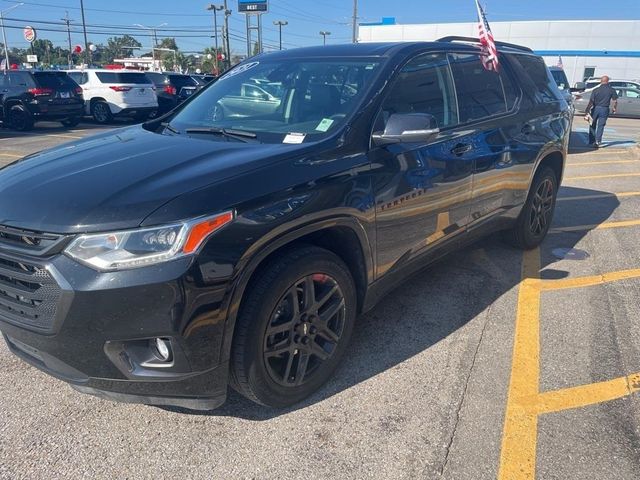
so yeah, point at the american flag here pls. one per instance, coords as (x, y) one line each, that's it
(490, 56)
(560, 64)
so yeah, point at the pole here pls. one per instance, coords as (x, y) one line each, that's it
(227, 13)
(280, 36)
(215, 35)
(280, 24)
(249, 52)
(4, 34)
(86, 42)
(355, 21)
(259, 33)
(68, 22)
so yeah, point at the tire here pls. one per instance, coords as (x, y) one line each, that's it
(271, 340)
(101, 112)
(20, 119)
(70, 122)
(537, 214)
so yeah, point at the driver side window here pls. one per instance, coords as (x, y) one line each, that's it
(424, 85)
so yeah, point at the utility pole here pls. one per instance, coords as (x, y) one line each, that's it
(155, 41)
(225, 34)
(4, 35)
(280, 24)
(355, 21)
(324, 36)
(216, 9)
(67, 20)
(87, 50)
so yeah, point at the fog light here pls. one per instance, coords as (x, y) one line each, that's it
(163, 349)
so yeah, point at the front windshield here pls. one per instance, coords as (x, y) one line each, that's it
(281, 101)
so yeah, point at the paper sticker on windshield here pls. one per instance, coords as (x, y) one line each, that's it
(239, 69)
(294, 138)
(324, 125)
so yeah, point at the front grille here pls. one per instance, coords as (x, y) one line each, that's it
(29, 295)
(27, 240)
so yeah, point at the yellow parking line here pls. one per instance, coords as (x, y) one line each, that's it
(10, 155)
(524, 401)
(584, 395)
(598, 196)
(589, 281)
(600, 226)
(608, 162)
(518, 454)
(611, 175)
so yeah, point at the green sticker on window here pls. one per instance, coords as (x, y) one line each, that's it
(324, 125)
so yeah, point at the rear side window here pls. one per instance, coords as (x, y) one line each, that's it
(123, 77)
(158, 78)
(79, 77)
(480, 92)
(21, 79)
(544, 86)
(424, 86)
(180, 81)
(54, 80)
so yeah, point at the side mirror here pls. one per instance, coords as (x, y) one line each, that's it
(407, 127)
(580, 86)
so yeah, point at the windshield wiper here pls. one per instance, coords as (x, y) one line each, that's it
(168, 126)
(227, 132)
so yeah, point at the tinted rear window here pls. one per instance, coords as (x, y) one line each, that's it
(54, 80)
(180, 81)
(544, 86)
(123, 77)
(480, 92)
(157, 78)
(560, 78)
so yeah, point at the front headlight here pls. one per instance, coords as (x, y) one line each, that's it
(145, 246)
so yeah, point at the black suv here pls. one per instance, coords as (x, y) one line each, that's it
(237, 239)
(172, 89)
(29, 96)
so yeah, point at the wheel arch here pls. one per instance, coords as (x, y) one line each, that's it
(343, 236)
(554, 160)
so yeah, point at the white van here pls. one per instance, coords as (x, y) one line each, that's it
(110, 93)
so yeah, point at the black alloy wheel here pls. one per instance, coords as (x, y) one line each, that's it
(304, 330)
(541, 208)
(20, 119)
(293, 327)
(537, 214)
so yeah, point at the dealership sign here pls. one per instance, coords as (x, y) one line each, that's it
(252, 6)
(29, 34)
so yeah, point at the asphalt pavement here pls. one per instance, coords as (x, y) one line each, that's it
(489, 364)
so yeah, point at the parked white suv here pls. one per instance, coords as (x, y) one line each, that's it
(110, 93)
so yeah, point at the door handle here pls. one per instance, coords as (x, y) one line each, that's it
(528, 129)
(461, 149)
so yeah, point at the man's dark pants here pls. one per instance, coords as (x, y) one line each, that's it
(600, 116)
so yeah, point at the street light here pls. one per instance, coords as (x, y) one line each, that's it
(155, 39)
(175, 56)
(324, 36)
(280, 24)
(216, 9)
(4, 35)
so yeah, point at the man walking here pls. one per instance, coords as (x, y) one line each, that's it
(598, 107)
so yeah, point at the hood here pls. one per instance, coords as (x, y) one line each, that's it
(115, 180)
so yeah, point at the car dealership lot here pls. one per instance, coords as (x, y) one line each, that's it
(432, 385)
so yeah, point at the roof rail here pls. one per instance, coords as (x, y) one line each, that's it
(454, 38)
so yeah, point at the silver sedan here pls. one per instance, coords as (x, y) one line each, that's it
(628, 102)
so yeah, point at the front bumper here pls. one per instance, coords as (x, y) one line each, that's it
(100, 337)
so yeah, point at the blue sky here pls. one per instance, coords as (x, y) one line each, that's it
(306, 17)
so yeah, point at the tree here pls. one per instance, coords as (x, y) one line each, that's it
(116, 48)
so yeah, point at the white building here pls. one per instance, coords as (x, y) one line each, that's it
(587, 47)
